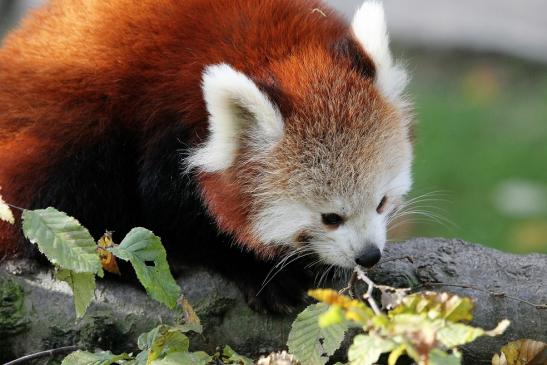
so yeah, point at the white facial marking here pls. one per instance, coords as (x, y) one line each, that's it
(363, 227)
(281, 221)
(352, 239)
(369, 28)
(228, 95)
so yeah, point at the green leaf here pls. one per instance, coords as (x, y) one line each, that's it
(88, 358)
(83, 288)
(311, 344)
(159, 342)
(438, 357)
(229, 356)
(146, 253)
(366, 349)
(172, 341)
(456, 334)
(184, 358)
(62, 239)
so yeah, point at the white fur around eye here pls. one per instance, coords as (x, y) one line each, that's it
(234, 103)
(281, 221)
(369, 28)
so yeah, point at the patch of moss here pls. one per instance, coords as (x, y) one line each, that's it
(13, 315)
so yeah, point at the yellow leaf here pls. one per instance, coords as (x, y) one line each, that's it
(108, 260)
(5, 212)
(396, 354)
(330, 296)
(436, 305)
(332, 316)
(353, 309)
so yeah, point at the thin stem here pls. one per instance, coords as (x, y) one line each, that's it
(53, 352)
(15, 207)
(368, 295)
(351, 286)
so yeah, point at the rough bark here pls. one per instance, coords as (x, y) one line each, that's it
(36, 312)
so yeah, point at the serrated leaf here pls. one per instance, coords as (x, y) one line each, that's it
(311, 344)
(145, 252)
(366, 349)
(184, 358)
(448, 306)
(89, 358)
(229, 356)
(62, 239)
(6, 214)
(83, 288)
(108, 260)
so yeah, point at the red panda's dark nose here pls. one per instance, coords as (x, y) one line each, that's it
(369, 257)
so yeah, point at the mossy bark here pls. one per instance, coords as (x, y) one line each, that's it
(36, 311)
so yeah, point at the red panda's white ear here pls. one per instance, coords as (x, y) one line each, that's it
(369, 29)
(235, 105)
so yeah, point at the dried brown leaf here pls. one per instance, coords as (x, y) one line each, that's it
(108, 260)
(520, 352)
(392, 297)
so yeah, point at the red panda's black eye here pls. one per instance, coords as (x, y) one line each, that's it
(381, 206)
(332, 219)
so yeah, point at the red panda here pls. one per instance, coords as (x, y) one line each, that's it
(239, 131)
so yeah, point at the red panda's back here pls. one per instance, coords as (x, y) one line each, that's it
(76, 67)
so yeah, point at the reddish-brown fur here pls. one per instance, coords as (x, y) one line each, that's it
(76, 66)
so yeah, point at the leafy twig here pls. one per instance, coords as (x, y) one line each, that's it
(350, 288)
(53, 352)
(368, 295)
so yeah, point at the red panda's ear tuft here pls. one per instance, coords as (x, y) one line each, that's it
(369, 29)
(236, 105)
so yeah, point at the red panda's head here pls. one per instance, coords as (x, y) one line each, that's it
(320, 162)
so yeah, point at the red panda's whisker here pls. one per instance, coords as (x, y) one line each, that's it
(273, 272)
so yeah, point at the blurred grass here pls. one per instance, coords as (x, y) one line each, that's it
(481, 122)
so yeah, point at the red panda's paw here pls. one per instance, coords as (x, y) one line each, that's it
(285, 293)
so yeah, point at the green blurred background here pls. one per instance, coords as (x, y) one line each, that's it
(481, 115)
(481, 148)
